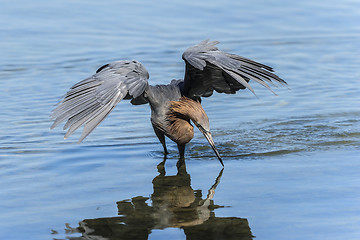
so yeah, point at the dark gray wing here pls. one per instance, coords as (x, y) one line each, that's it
(91, 100)
(208, 69)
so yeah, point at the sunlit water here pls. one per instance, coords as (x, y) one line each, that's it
(291, 161)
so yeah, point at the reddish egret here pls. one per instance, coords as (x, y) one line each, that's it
(173, 105)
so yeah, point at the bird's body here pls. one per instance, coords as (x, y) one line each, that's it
(160, 98)
(173, 106)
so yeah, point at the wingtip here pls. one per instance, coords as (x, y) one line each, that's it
(53, 125)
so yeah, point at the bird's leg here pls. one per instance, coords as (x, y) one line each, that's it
(181, 148)
(161, 138)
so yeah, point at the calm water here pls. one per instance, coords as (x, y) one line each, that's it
(291, 161)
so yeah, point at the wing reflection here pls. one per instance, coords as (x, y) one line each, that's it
(173, 204)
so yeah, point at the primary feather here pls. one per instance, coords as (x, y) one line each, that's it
(91, 100)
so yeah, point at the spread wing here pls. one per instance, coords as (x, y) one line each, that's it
(208, 69)
(91, 100)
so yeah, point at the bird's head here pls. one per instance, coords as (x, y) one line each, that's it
(189, 109)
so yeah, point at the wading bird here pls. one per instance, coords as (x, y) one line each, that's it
(173, 106)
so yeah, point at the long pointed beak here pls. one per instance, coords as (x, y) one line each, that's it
(212, 144)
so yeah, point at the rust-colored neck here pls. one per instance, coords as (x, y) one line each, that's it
(187, 109)
(180, 113)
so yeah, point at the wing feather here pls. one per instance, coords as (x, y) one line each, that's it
(88, 102)
(208, 69)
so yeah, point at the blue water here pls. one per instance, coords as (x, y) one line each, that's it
(291, 161)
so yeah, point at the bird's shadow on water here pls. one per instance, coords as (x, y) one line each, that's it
(173, 204)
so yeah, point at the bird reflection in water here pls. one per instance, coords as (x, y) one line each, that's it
(174, 204)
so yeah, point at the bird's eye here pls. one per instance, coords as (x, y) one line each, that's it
(200, 127)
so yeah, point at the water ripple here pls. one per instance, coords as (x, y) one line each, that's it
(273, 137)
